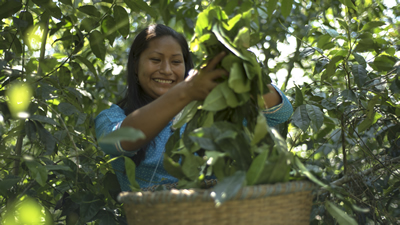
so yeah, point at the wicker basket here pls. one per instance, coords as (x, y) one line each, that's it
(284, 203)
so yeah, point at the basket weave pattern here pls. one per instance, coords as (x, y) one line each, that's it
(284, 203)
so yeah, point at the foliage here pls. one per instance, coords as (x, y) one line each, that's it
(69, 56)
(227, 132)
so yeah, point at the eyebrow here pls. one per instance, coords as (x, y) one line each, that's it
(178, 54)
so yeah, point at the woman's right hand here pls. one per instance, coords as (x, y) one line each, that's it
(200, 83)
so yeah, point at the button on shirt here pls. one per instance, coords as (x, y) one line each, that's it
(110, 120)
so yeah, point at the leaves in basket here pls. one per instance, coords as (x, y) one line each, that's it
(215, 101)
(238, 80)
(260, 130)
(269, 167)
(130, 168)
(186, 114)
(173, 167)
(228, 187)
(122, 134)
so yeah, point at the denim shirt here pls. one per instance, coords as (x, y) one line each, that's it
(110, 120)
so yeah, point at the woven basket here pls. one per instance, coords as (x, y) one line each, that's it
(283, 203)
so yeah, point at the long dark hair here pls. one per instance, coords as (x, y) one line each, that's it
(135, 97)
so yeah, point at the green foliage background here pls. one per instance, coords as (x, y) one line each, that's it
(62, 62)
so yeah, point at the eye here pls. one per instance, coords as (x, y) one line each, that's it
(155, 59)
(177, 61)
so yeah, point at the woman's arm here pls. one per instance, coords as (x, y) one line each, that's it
(153, 117)
(272, 98)
(279, 109)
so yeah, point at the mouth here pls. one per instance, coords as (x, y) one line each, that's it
(163, 81)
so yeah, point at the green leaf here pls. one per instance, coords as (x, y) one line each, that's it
(9, 7)
(89, 207)
(7, 183)
(286, 7)
(360, 74)
(30, 130)
(323, 40)
(27, 18)
(384, 63)
(341, 217)
(204, 137)
(121, 20)
(333, 33)
(229, 95)
(141, 6)
(47, 139)
(97, 44)
(186, 114)
(228, 187)
(365, 44)
(43, 119)
(238, 80)
(331, 68)
(191, 164)
(220, 35)
(90, 10)
(88, 64)
(360, 59)
(109, 29)
(107, 218)
(38, 171)
(349, 4)
(130, 168)
(215, 100)
(88, 24)
(64, 76)
(316, 116)
(242, 39)
(77, 72)
(326, 148)
(173, 168)
(271, 7)
(303, 170)
(300, 118)
(260, 130)
(122, 134)
(67, 2)
(372, 24)
(67, 109)
(320, 65)
(299, 97)
(257, 167)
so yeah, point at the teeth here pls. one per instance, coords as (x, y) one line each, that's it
(163, 81)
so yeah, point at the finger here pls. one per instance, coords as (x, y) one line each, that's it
(192, 72)
(213, 62)
(215, 74)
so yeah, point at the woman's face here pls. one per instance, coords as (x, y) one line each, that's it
(161, 66)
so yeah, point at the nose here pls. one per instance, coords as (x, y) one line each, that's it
(165, 68)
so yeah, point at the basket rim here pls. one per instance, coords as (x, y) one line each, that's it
(190, 195)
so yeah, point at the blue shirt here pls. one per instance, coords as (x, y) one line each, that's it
(110, 119)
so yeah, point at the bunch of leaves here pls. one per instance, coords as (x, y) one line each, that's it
(226, 135)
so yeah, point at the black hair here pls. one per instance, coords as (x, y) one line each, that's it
(135, 96)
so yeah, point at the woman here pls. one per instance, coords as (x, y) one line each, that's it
(159, 87)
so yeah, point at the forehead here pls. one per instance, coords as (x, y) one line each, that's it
(166, 45)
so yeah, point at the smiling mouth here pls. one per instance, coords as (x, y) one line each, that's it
(163, 81)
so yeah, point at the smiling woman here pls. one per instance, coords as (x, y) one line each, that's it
(161, 66)
(159, 87)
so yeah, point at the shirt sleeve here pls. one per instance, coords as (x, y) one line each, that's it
(279, 113)
(106, 122)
